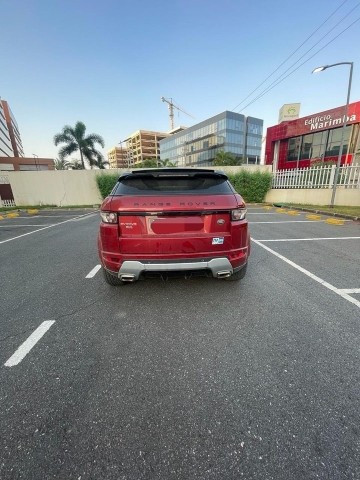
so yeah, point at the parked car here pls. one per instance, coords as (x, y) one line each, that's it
(188, 221)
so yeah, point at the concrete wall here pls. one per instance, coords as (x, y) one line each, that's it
(314, 196)
(248, 168)
(79, 187)
(71, 187)
(58, 187)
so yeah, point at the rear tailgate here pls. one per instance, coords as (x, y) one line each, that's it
(178, 224)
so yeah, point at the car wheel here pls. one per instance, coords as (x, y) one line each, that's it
(111, 279)
(239, 275)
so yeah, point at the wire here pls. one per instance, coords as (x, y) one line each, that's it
(273, 85)
(297, 49)
(307, 51)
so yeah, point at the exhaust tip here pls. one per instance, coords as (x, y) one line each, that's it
(127, 277)
(223, 274)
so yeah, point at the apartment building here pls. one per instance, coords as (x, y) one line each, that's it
(6, 149)
(13, 130)
(144, 144)
(118, 157)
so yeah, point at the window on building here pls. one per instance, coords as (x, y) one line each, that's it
(294, 145)
(305, 152)
(319, 144)
(334, 141)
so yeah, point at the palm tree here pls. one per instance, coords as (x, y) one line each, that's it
(61, 164)
(75, 164)
(76, 140)
(99, 163)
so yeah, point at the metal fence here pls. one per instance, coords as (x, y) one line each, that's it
(317, 177)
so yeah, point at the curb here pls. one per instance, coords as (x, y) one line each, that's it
(321, 212)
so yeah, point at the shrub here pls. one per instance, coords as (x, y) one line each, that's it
(252, 186)
(106, 183)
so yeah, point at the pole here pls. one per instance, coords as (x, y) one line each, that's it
(342, 138)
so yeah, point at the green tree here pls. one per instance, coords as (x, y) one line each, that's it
(75, 140)
(147, 163)
(61, 164)
(223, 158)
(166, 163)
(75, 164)
(100, 163)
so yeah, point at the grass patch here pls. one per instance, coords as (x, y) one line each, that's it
(342, 210)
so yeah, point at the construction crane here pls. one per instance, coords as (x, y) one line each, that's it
(171, 106)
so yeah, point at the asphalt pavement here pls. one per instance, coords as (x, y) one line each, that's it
(180, 379)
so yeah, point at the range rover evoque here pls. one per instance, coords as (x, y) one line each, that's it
(181, 220)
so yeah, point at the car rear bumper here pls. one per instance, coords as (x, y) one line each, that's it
(131, 270)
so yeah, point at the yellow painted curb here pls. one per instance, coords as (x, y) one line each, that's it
(1, 217)
(312, 216)
(267, 207)
(12, 215)
(293, 212)
(32, 211)
(335, 221)
(281, 210)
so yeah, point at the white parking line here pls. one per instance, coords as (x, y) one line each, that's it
(29, 343)
(338, 291)
(78, 219)
(93, 272)
(18, 226)
(349, 290)
(37, 217)
(40, 229)
(308, 239)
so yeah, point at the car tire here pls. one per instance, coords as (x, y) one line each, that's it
(239, 275)
(111, 279)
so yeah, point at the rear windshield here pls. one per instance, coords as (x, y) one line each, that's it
(150, 185)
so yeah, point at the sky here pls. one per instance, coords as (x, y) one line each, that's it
(108, 63)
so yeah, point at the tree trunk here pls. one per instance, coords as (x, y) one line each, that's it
(82, 158)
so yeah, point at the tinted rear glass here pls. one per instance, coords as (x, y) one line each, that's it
(166, 185)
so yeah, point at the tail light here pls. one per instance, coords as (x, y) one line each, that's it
(108, 217)
(238, 214)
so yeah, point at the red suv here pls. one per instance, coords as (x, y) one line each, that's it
(158, 221)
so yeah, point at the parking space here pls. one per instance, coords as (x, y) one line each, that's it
(15, 224)
(327, 253)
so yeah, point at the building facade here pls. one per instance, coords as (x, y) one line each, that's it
(142, 145)
(13, 130)
(26, 164)
(6, 149)
(299, 143)
(118, 157)
(227, 131)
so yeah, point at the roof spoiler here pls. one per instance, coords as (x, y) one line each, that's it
(160, 172)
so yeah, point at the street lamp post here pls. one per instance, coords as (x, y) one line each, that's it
(127, 158)
(35, 157)
(320, 69)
